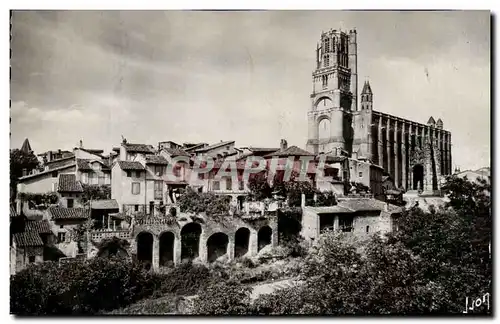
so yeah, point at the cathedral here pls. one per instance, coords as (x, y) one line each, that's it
(415, 155)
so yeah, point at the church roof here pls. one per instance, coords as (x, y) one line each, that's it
(431, 121)
(26, 148)
(366, 88)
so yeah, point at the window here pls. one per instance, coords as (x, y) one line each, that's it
(158, 189)
(367, 229)
(136, 188)
(61, 226)
(61, 237)
(158, 170)
(229, 184)
(361, 174)
(136, 208)
(324, 78)
(70, 203)
(345, 223)
(216, 185)
(137, 174)
(129, 174)
(85, 177)
(327, 45)
(54, 174)
(241, 185)
(101, 178)
(326, 61)
(31, 259)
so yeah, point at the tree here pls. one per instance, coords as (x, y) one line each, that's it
(95, 192)
(20, 161)
(79, 233)
(205, 202)
(223, 299)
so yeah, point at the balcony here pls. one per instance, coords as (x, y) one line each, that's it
(99, 235)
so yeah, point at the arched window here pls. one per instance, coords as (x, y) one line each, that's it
(326, 61)
(327, 45)
(325, 81)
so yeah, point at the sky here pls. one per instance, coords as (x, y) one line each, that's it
(189, 76)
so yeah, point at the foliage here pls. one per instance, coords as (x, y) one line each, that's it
(223, 299)
(209, 203)
(111, 247)
(45, 199)
(429, 266)
(95, 192)
(78, 288)
(20, 160)
(259, 186)
(186, 279)
(79, 233)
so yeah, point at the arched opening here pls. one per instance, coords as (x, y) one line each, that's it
(323, 103)
(324, 129)
(264, 237)
(145, 248)
(217, 246)
(418, 177)
(167, 249)
(113, 247)
(190, 240)
(241, 243)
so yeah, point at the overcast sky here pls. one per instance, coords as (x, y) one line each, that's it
(245, 76)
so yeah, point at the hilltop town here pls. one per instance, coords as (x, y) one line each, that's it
(165, 205)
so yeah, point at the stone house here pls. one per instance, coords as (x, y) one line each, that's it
(358, 216)
(28, 243)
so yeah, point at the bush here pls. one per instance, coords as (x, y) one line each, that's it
(223, 299)
(78, 287)
(186, 279)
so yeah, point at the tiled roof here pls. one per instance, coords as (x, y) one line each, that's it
(176, 152)
(210, 147)
(38, 226)
(333, 159)
(104, 204)
(68, 213)
(130, 165)
(263, 149)
(291, 151)
(156, 159)
(330, 209)
(194, 146)
(68, 183)
(26, 239)
(84, 164)
(54, 164)
(47, 172)
(139, 148)
(364, 204)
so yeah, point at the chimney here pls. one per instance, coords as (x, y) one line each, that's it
(81, 144)
(283, 145)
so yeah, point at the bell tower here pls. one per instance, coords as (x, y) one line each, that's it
(334, 93)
